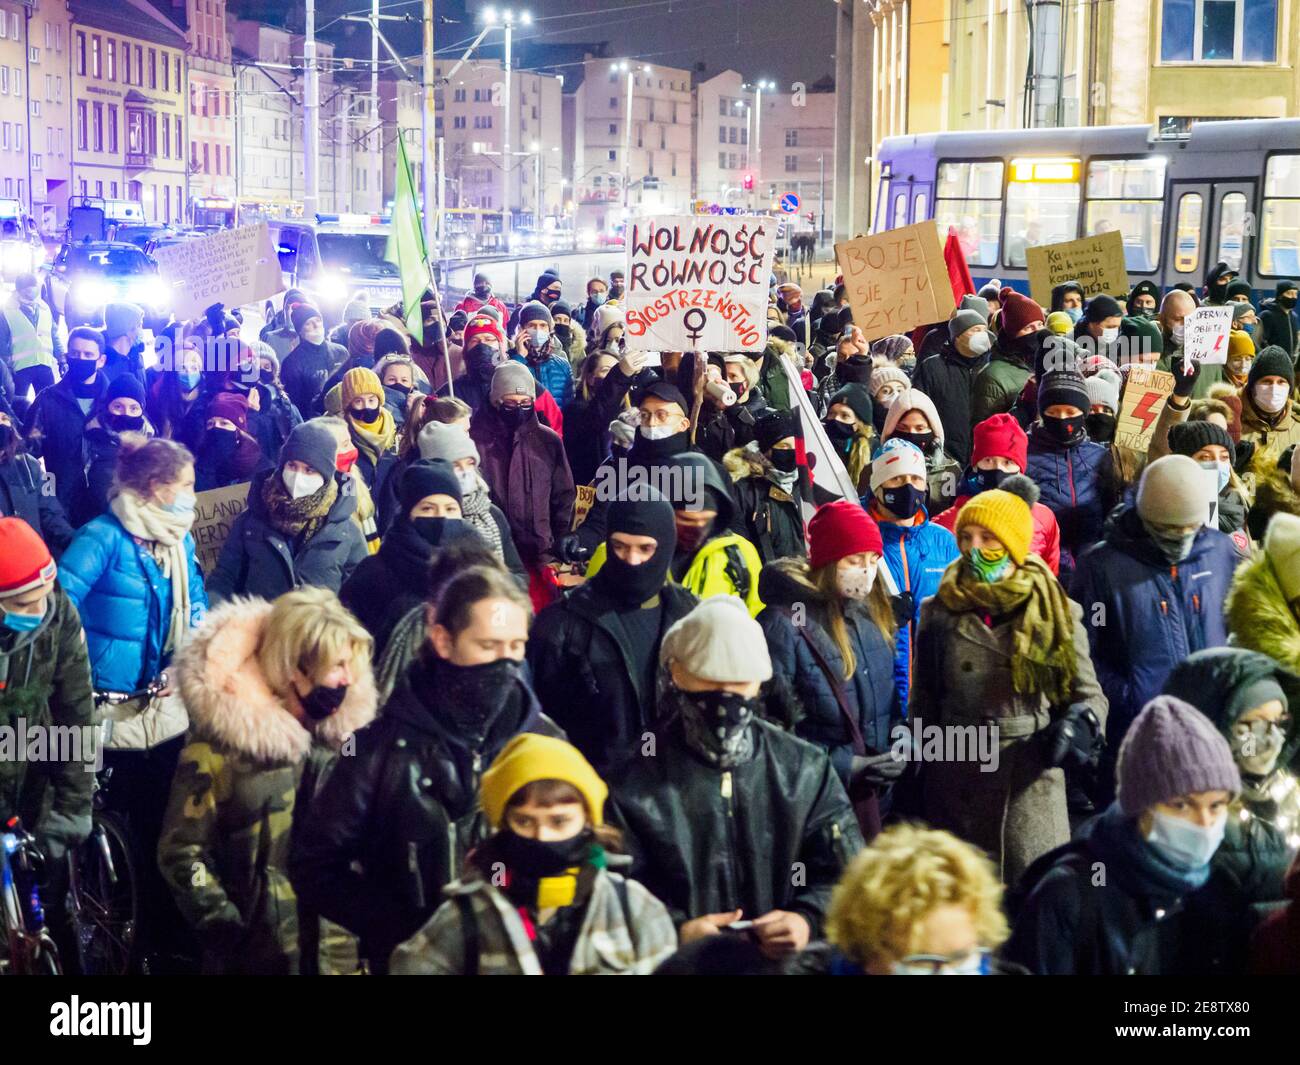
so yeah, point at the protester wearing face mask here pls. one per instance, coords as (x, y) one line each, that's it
(404, 384)
(1020, 336)
(948, 377)
(1153, 590)
(835, 658)
(1033, 681)
(122, 411)
(765, 475)
(1211, 448)
(298, 528)
(308, 365)
(277, 414)
(1277, 319)
(729, 426)
(912, 417)
(594, 652)
(916, 550)
(485, 350)
(175, 388)
(597, 294)
(605, 379)
(713, 862)
(1099, 326)
(1174, 309)
(1000, 451)
(1241, 357)
(479, 295)
(358, 856)
(1176, 780)
(1103, 406)
(1143, 299)
(570, 339)
(1268, 420)
(228, 453)
(850, 361)
(123, 348)
(1248, 696)
(885, 384)
(540, 895)
(374, 429)
(542, 355)
(273, 691)
(22, 488)
(1216, 284)
(849, 427)
(29, 343)
(1068, 297)
(279, 331)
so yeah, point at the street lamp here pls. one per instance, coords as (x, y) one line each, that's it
(758, 127)
(507, 19)
(631, 70)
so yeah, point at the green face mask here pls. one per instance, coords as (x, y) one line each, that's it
(988, 566)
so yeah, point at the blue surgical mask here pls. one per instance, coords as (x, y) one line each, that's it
(1183, 844)
(1225, 470)
(597, 299)
(182, 504)
(23, 622)
(189, 381)
(1075, 313)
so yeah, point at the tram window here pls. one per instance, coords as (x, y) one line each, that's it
(1187, 233)
(1128, 195)
(919, 204)
(1279, 229)
(900, 210)
(1232, 225)
(969, 200)
(1040, 212)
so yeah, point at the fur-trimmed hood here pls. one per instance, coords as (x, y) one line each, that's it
(1259, 616)
(786, 581)
(230, 702)
(742, 462)
(1274, 492)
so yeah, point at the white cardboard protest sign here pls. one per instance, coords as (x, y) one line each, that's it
(233, 267)
(698, 282)
(1205, 336)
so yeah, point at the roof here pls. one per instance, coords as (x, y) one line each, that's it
(131, 18)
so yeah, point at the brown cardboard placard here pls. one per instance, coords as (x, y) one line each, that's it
(896, 280)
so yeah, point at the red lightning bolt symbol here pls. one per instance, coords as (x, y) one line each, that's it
(1143, 412)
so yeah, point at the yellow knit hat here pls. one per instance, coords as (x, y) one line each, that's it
(1006, 516)
(528, 758)
(1059, 323)
(360, 381)
(1240, 344)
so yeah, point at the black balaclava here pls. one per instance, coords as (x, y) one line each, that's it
(651, 515)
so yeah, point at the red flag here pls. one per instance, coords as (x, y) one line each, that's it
(958, 271)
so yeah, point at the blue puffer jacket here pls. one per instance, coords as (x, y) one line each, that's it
(1145, 616)
(556, 376)
(124, 601)
(917, 556)
(869, 693)
(1077, 485)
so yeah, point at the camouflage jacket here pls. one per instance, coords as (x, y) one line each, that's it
(247, 766)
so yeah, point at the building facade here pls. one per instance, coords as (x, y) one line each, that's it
(723, 123)
(267, 125)
(401, 106)
(797, 141)
(49, 113)
(210, 100)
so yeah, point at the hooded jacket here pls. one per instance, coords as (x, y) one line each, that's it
(1259, 616)
(1277, 326)
(1143, 615)
(22, 496)
(772, 519)
(394, 821)
(258, 559)
(948, 378)
(797, 675)
(56, 427)
(247, 767)
(1077, 485)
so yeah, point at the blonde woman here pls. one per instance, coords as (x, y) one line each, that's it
(274, 691)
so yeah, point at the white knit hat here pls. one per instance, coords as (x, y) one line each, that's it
(897, 458)
(1282, 546)
(607, 314)
(912, 399)
(1173, 491)
(1103, 389)
(718, 641)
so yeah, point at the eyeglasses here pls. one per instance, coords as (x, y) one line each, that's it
(658, 417)
(512, 407)
(947, 964)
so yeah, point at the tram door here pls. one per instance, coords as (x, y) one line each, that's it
(1208, 223)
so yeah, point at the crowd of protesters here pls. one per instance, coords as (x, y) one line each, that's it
(532, 653)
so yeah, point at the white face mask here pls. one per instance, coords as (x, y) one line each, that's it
(979, 342)
(1176, 333)
(1183, 844)
(468, 481)
(313, 332)
(1109, 336)
(1271, 398)
(538, 338)
(659, 432)
(301, 484)
(854, 582)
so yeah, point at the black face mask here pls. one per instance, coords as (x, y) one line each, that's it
(925, 441)
(1065, 430)
(473, 696)
(514, 417)
(401, 390)
(840, 433)
(220, 444)
(616, 292)
(1101, 427)
(784, 460)
(987, 480)
(483, 292)
(536, 858)
(738, 389)
(433, 530)
(267, 377)
(320, 702)
(633, 585)
(690, 539)
(369, 415)
(855, 370)
(481, 360)
(716, 724)
(564, 334)
(651, 450)
(124, 423)
(1285, 302)
(903, 501)
(82, 370)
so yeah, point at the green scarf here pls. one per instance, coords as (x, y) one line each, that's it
(1042, 646)
(297, 517)
(374, 441)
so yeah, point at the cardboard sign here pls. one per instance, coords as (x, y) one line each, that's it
(1096, 263)
(896, 280)
(698, 283)
(234, 267)
(1144, 399)
(215, 512)
(1205, 336)
(582, 503)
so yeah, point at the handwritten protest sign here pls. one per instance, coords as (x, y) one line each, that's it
(896, 280)
(1096, 263)
(1144, 399)
(1205, 336)
(582, 503)
(234, 267)
(215, 512)
(698, 283)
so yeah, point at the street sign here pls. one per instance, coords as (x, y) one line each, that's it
(790, 202)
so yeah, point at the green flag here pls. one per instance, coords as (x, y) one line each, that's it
(406, 245)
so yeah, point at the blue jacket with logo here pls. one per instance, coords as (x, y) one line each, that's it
(125, 602)
(1078, 486)
(556, 376)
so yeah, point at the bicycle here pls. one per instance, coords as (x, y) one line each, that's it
(103, 889)
(30, 949)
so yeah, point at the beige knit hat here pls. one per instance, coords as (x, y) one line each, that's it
(718, 641)
(1173, 492)
(1282, 546)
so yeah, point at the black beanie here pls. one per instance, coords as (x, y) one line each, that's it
(1239, 287)
(389, 341)
(428, 477)
(312, 443)
(782, 332)
(1187, 438)
(1285, 285)
(1063, 386)
(534, 311)
(125, 386)
(561, 307)
(643, 512)
(1273, 361)
(857, 399)
(773, 427)
(1101, 307)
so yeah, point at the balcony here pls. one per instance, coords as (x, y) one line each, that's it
(139, 160)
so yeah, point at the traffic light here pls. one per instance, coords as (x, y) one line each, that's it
(749, 182)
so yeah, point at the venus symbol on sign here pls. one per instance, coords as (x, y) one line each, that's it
(695, 327)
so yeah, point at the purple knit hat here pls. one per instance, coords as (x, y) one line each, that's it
(1172, 749)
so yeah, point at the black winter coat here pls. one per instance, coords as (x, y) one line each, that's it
(393, 823)
(584, 675)
(586, 423)
(1277, 326)
(56, 431)
(707, 840)
(273, 421)
(303, 373)
(947, 378)
(767, 517)
(21, 496)
(732, 427)
(258, 559)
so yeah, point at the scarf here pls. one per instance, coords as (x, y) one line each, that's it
(1042, 646)
(364, 515)
(297, 517)
(163, 534)
(477, 509)
(374, 440)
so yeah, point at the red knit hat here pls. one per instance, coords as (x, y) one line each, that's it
(1017, 311)
(1000, 436)
(841, 529)
(479, 324)
(25, 561)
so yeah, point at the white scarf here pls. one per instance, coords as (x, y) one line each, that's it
(164, 533)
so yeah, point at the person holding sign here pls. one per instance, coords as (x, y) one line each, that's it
(1268, 419)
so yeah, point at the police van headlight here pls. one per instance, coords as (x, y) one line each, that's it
(153, 292)
(91, 292)
(332, 288)
(18, 258)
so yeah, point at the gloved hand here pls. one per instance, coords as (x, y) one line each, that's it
(571, 549)
(1184, 382)
(903, 607)
(875, 769)
(1074, 739)
(1245, 452)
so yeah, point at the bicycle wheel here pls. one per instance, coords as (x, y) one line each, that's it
(104, 899)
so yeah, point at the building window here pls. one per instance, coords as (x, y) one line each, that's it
(744, 135)
(112, 127)
(153, 68)
(722, 160)
(58, 88)
(167, 139)
(1279, 231)
(112, 189)
(4, 135)
(36, 109)
(36, 162)
(126, 63)
(179, 138)
(458, 122)
(167, 81)
(613, 128)
(722, 134)
(134, 132)
(81, 52)
(613, 156)
(96, 60)
(969, 199)
(18, 136)
(97, 128)
(81, 125)
(4, 81)
(791, 164)
(18, 81)
(731, 135)
(139, 66)
(613, 102)
(792, 138)
(1219, 31)
(176, 68)
(458, 96)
